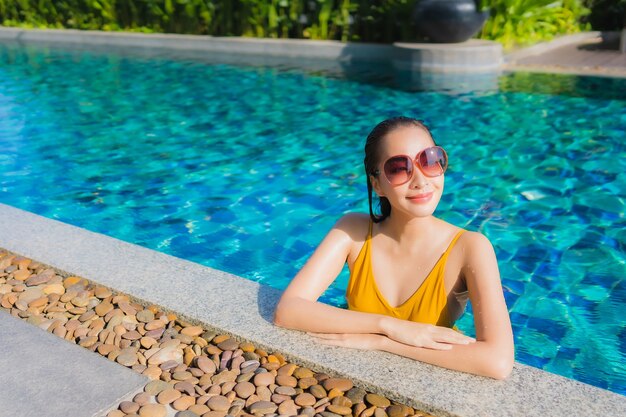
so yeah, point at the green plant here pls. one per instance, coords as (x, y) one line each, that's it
(521, 22)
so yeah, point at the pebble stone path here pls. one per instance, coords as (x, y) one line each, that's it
(194, 372)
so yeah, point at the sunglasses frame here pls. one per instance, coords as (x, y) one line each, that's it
(416, 163)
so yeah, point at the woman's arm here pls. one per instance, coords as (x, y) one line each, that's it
(298, 307)
(493, 353)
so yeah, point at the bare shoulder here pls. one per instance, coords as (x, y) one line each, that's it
(355, 225)
(476, 245)
(475, 242)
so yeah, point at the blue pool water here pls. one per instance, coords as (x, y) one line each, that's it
(244, 168)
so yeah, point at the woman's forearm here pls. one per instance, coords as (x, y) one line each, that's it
(479, 358)
(313, 316)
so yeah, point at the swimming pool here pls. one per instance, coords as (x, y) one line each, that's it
(244, 168)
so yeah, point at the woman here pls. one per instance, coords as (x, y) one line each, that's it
(410, 273)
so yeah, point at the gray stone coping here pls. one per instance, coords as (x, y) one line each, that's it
(543, 47)
(466, 57)
(244, 309)
(44, 375)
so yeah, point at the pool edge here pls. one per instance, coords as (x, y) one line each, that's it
(244, 309)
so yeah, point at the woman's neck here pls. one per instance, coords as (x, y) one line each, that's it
(406, 230)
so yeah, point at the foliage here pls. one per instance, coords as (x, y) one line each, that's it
(512, 22)
(522, 22)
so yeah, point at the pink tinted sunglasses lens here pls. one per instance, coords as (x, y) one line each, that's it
(398, 169)
(433, 161)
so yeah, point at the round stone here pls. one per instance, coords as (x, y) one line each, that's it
(182, 375)
(102, 292)
(206, 364)
(129, 407)
(264, 379)
(305, 399)
(141, 398)
(155, 387)
(287, 369)
(303, 373)
(168, 395)
(339, 409)
(154, 324)
(342, 384)
(199, 409)
(380, 412)
(188, 413)
(356, 395)
(54, 289)
(127, 359)
(377, 400)
(192, 331)
(184, 403)
(263, 407)
(282, 390)
(218, 403)
(288, 408)
(244, 389)
(342, 401)
(318, 391)
(286, 380)
(152, 410)
(307, 382)
(396, 411)
(228, 344)
(145, 316)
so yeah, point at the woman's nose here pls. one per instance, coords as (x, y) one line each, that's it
(418, 180)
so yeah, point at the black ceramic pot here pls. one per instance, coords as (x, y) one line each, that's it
(448, 21)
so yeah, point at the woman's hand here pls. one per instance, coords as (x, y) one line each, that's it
(423, 335)
(364, 341)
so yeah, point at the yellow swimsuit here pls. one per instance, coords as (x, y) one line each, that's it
(428, 304)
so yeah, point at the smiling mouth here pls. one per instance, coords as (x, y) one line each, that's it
(420, 198)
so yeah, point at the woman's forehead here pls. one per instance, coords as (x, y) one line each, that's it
(405, 140)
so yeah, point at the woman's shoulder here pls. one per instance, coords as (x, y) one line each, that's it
(356, 225)
(474, 243)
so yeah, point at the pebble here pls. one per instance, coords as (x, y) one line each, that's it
(244, 389)
(141, 398)
(187, 413)
(263, 407)
(153, 410)
(127, 359)
(317, 391)
(396, 411)
(288, 408)
(183, 403)
(192, 331)
(206, 364)
(356, 395)
(155, 387)
(305, 399)
(377, 400)
(218, 403)
(264, 379)
(286, 380)
(342, 384)
(167, 349)
(339, 409)
(168, 395)
(129, 407)
(228, 344)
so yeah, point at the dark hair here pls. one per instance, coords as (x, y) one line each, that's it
(372, 151)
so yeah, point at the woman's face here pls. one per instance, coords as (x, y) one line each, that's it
(420, 195)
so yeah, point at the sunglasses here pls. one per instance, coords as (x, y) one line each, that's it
(399, 169)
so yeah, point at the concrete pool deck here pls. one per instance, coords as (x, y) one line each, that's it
(244, 309)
